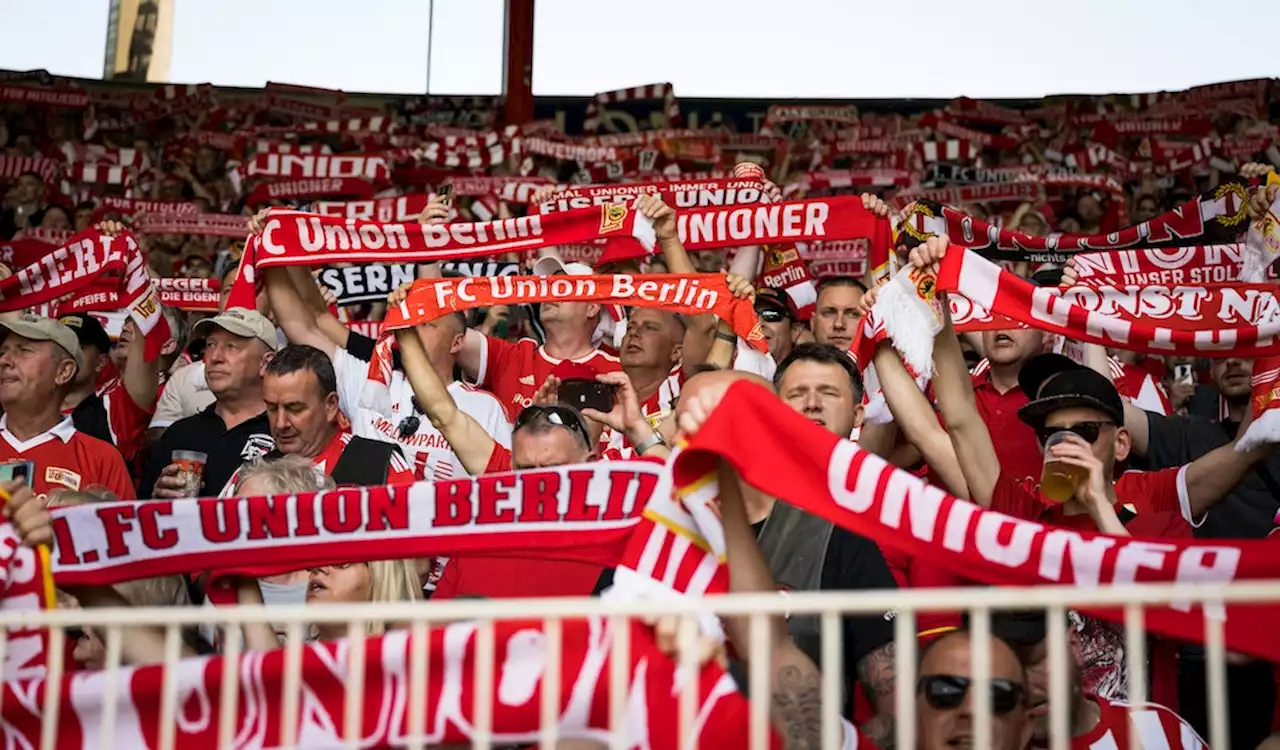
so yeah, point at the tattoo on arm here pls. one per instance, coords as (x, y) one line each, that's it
(882, 730)
(876, 672)
(797, 706)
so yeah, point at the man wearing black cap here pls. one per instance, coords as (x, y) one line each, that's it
(778, 321)
(1072, 399)
(1093, 721)
(119, 410)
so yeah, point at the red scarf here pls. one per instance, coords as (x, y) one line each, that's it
(80, 264)
(265, 192)
(1196, 265)
(402, 208)
(784, 269)
(1219, 215)
(678, 195)
(1158, 320)
(296, 238)
(207, 225)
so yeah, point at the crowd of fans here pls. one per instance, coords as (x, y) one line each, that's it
(267, 400)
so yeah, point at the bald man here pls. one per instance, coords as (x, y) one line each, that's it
(944, 700)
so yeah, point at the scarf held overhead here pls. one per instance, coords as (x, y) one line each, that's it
(1239, 321)
(83, 262)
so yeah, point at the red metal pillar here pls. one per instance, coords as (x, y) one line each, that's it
(517, 71)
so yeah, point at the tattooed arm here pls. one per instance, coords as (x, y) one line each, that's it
(877, 675)
(795, 704)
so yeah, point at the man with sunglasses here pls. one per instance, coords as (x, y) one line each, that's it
(1094, 722)
(778, 319)
(944, 702)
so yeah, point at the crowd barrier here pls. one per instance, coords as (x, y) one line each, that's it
(828, 606)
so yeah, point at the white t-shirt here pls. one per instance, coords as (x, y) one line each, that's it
(426, 450)
(185, 394)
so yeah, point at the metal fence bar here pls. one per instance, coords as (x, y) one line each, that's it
(619, 680)
(1135, 659)
(169, 691)
(483, 738)
(1215, 667)
(53, 698)
(114, 644)
(291, 685)
(831, 673)
(1059, 677)
(687, 679)
(980, 669)
(798, 603)
(550, 703)
(228, 692)
(759, 664)
(353, 718)
(419, 636)
(904, 663)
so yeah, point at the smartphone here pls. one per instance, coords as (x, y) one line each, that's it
(586, 394)
(17, 470)
(1182, 374)
(445, 193)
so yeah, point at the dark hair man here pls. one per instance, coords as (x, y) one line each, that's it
(300, 391)
(836, 314)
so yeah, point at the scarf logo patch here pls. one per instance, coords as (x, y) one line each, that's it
(612, 217)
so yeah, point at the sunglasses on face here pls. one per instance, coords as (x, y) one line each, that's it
(945, 692)
(1088, 431)
(771, 315)
(564, 416)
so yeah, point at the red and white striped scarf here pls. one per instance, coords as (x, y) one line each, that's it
(13, 167)
(660, 91)
(117, 268)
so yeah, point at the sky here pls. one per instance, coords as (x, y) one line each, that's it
(730, 48)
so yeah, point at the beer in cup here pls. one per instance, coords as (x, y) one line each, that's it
(190, 470)
(1058, 481)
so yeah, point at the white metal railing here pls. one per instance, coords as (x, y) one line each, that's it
(829, 606)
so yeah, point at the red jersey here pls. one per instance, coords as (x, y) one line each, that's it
(513, 372)
(111, 415)
(1140, 387)
(66, 459)
(1158, 729)
(1015, 442)
(1156, 498)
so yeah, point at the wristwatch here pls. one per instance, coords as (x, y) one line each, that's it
(649, 442)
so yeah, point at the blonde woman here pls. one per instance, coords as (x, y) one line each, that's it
(380, 581)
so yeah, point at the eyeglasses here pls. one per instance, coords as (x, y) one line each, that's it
(771, 314)
(1088, 431)
(557, 414)
(945, 692)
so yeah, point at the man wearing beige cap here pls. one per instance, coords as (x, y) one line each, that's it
(235, 429)
(39, 359)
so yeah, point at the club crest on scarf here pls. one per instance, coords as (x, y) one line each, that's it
(613, 217)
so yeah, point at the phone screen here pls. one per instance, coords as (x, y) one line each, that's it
(15, 470)
(445, 193)
(586, 394)
(1182, 373)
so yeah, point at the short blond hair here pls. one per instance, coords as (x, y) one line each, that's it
(285, 475)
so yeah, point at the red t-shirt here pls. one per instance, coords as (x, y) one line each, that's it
(1015, 442)
(513, 372)
(66, 459)
(1156, 498)
(1158, 727)
(513, 577)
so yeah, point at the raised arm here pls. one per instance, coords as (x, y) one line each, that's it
(953, 389)
(466, 436)
(292, 314)
(141, 379)
(916, 420)
(1214, 475)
